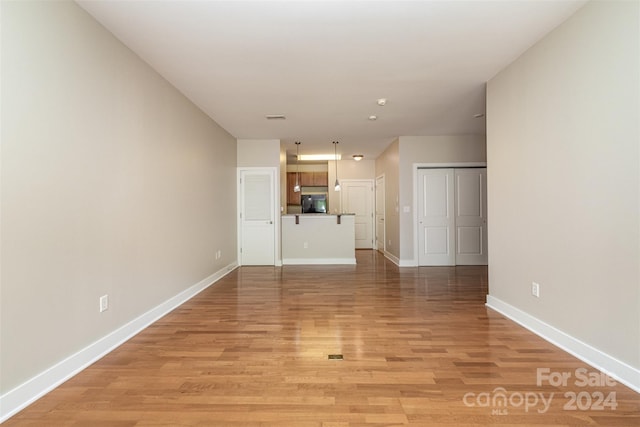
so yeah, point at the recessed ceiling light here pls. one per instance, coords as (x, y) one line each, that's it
(275, 117)
(477, 116)
(357, 157)
(372, 118)
(382, 101)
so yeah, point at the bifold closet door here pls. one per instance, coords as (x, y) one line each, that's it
(471, 216)
(452, 216)
(436, 217)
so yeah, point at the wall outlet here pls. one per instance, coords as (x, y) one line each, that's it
(218, 254)
(104, 303)
(305, 245)
(535, 289)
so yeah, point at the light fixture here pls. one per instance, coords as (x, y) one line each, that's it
(319, 157)
(382, 102)
(372, 117)
(357, 157)
(296, 188)
(335, 152)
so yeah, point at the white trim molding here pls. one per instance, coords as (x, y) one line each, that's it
(394, 259)
(620, 371)
(318, 261)
(25, 394)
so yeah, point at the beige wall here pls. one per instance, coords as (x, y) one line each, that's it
(563, 176)
(302, 167)
(347, 169)
(388, 164)
(429, 149)
(318, 239)
(112, 183)
(258, 153)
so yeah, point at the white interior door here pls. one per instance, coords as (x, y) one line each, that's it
(471, 216)
(357, 198)
(257, 222)
(380, 239)
(436, 217)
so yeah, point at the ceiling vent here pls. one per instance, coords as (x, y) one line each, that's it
(275, 117)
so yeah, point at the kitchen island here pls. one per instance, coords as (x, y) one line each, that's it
(318, 239)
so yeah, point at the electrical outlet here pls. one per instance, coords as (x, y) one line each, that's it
(218, 254)
(104, 303)
(535, 289)
(305, 245)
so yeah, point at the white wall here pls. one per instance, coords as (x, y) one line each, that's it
(563, 176)
(112, 183)
(428, 149)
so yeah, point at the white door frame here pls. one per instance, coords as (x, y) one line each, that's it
(384, 214)
(373, 201)
(415, 262)
(276, 211)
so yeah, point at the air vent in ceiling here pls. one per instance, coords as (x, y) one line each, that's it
(275, 117)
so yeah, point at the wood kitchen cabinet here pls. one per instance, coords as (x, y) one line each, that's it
(314, 179)
(320, 179)
(306, 179)
(293, 198)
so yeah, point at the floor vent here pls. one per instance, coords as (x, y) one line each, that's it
(335, 357)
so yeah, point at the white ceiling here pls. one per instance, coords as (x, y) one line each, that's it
(323, 64)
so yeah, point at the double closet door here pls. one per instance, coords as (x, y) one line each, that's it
(452, 216)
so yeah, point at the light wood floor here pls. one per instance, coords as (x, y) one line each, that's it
(253, 349)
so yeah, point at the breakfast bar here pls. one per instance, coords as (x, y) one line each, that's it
(318, 239)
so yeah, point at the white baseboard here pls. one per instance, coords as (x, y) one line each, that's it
(318, 261)
(620, 371)
(394, 259)
(408, 263)
(23, 395)
(400, 263)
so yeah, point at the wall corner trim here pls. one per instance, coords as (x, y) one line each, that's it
(620, 371)
(25, 394)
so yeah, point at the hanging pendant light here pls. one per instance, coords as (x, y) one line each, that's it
(296, 188)
(335, 157)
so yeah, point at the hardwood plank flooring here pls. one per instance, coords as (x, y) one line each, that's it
(419, 348)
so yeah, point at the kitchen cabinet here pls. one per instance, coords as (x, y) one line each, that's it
(314, 179)
(306, 179)
(293, 198)
(320, 179)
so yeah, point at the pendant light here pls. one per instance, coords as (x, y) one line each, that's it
(335, 157)
(296, 188)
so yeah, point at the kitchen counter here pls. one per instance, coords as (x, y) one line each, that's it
(318, 239)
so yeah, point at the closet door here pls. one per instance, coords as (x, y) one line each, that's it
(471, 216)
(436, 217)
